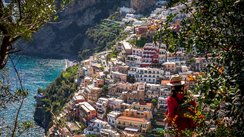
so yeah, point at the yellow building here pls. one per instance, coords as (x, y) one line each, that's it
(137, 124)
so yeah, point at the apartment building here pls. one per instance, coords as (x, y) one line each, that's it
(147, 114)
(101, 107)
(138, 124)
(112, 116)
(148, 75)
(150, 54)
(95, 126)
(170, 66)
(82, 111)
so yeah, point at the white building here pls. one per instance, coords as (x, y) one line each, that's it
(170, 66)
(112, 116)
(109, 133)
(133, 60)
(101, 107)
(137, 51)
(114, 103)
(149, 75)
(162, 102)
(95, 126)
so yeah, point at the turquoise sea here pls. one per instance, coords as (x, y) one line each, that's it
(35, 73)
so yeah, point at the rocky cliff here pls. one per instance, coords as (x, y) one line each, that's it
(66, 37)
(142, 5)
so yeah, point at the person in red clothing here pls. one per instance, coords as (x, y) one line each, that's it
(177, 97)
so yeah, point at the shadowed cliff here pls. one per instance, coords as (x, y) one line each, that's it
(66, 37)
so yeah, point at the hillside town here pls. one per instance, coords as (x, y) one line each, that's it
(122, 92)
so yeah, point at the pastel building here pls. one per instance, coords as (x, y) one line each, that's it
(148, 75)
(101, 107)
(95, 126)
(112, 116)
(114, 103)
(83, 111)
(170, 66)
(150, 54)
(135, 124)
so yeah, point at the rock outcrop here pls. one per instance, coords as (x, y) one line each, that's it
(142, 5)
(65, 38)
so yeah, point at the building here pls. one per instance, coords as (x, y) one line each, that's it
(150, 54)
(95, 126)
(86, 112)
(77, 98)
(142, 106)
(101, 107)
(162, 103)
(109, 133)
(127, 47)
(117, 76)
(153, 91)
(147, 114)
(141, 30)
(133, 60)
(132, 96)
(136, 124)
(170, 66)
(148, 75)
(137, 51)
(114, 103)
(112, 116)
(93, 93)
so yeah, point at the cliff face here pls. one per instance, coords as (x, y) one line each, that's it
(142, 5)
(65, 38)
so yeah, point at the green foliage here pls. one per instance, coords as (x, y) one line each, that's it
(131, 79)
(154, 102)
(215, 28)
(104, 33)
(63, 86)
(138, 42)
(20, 19)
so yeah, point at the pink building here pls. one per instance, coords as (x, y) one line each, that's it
(150, 54)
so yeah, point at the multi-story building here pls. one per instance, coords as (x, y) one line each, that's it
(83, 111)
(150, 54)
(162, 102)
(147, 114)
(138, 124)
(109, 133)
(170, 66)
(132, 96)
(142, 106)
(114, 103)
(137, 51)
(95, 126)
(93, 93)
(118, 88)
(134, 60)
(149, 75)
(153, 90)
(117, 76)
(112, 116)
(101, 107)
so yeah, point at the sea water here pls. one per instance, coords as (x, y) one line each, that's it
(35, 73)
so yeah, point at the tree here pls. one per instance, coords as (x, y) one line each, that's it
(215, 28)
(154, 102)
(21, 18)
